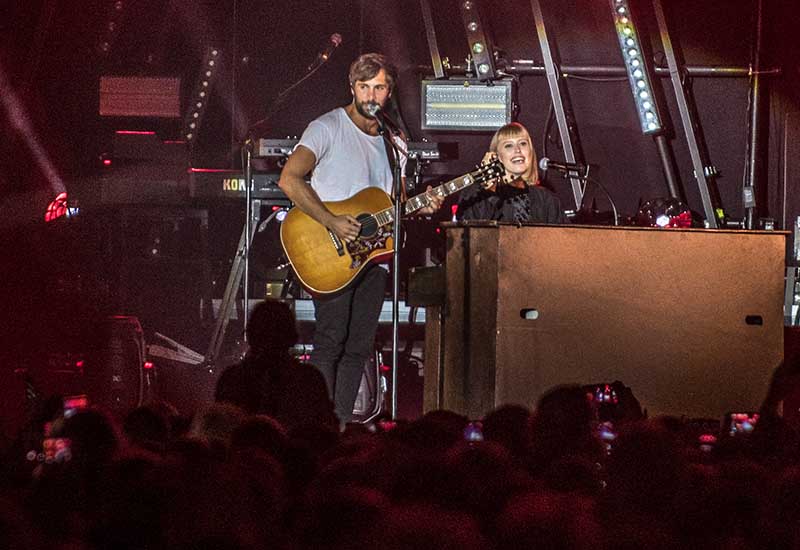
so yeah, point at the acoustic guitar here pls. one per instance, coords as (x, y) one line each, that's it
(326, 264)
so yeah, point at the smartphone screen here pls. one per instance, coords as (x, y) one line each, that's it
(606, 432)
(742, 423)
(57, 449)
(473, 432)
(73, 403)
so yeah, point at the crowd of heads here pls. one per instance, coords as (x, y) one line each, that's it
(518, 478)
(584, 469)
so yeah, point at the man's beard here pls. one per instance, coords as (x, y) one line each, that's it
(362, 108)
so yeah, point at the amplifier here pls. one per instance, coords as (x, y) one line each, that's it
(267, 148)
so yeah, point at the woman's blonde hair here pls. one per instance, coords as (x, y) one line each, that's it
(515, 130)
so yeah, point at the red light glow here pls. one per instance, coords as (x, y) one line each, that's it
(56, 208)
(211, 171)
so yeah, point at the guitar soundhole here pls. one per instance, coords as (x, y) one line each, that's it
(369, 226)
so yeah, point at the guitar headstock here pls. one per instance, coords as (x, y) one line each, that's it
(490, 173)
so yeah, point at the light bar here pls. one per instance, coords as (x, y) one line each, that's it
(480, 44)
(202, 90)
(467, 105)
(110, 32)
(636, 67)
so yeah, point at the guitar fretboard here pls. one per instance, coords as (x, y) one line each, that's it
(422, 200)
(448, 188)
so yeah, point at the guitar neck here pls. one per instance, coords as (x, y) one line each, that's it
(422, 200)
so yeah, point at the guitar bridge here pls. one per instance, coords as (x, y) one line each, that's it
(337, 243)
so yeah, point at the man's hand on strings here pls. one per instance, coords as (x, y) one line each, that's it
(345, 227)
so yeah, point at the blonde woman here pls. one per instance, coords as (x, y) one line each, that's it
(520, 199)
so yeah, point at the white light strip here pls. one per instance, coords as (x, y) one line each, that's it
(641, 87)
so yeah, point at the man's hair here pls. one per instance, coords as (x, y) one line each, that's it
(368, 65)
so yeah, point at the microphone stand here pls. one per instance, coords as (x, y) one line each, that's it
(249, 143)
(248, 225)
(397, 192)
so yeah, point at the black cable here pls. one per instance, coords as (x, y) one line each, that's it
(547, 125)
(588, 180)
(279, 99)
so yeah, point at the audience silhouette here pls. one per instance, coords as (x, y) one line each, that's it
(260, 469)
(269, 380)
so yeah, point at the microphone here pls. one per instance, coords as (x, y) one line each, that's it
(333, 43)
(374, 110)
(563, 167)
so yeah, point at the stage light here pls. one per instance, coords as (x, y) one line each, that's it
(110, 32)
(664, 212)
(467, 105)
(19, 124)
(56, 208)
(59, 207)
(198, 104)
(480, 44)
(638, 76)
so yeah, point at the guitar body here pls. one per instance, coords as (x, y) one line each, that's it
(324, 264)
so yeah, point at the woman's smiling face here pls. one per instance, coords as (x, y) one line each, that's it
(515, 154)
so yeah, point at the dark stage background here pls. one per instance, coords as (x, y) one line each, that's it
(268, 45)
(50, 65)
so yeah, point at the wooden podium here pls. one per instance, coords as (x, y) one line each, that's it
(691, 320)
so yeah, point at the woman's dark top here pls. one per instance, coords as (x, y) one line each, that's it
(534, 204)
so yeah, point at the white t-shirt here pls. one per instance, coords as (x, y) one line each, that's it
(348, 160)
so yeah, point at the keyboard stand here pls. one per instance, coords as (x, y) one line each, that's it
(231, 289)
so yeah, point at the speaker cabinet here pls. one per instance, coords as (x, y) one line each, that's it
(691, 320)
(114, 375)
